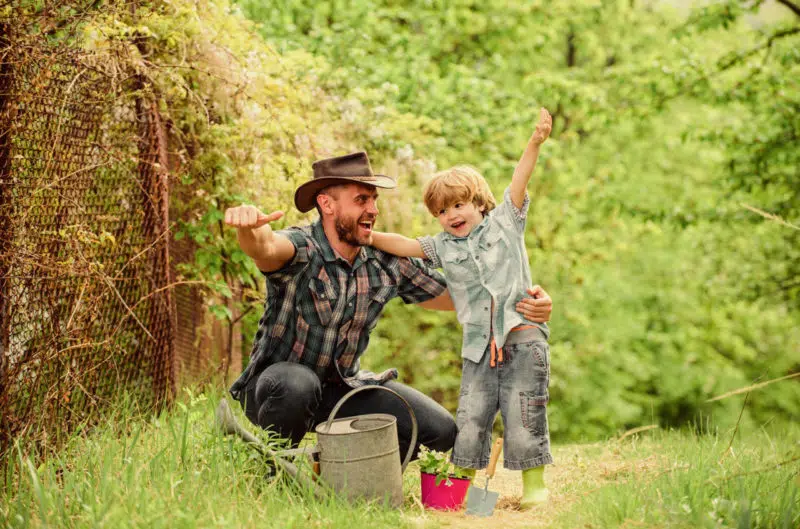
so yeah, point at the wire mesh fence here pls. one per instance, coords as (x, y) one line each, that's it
(87, 308)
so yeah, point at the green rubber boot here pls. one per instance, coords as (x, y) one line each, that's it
(468, 472)
(534, 491)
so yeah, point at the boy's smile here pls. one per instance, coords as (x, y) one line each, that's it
(459, 219)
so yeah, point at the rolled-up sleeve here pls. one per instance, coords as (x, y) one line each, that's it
(304, 249)
(429, 249)
(517, 216)
(418, 281)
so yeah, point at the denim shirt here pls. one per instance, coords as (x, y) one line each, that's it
(488, 264)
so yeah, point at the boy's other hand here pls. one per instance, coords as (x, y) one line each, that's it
(543, 128)
(245, 216)
(537, 307)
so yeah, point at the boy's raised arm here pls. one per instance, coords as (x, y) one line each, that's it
(396, 244)
(526, 165)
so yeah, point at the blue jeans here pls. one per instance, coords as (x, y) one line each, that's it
(517, 387)
(289, 399)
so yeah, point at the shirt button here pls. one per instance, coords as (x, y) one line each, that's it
(485, 308)
(484, 336)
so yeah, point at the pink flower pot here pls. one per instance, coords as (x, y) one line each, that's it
(443, 497)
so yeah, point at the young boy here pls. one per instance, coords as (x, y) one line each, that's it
(506, 362)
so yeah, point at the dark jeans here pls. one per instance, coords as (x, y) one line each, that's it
(289, 399)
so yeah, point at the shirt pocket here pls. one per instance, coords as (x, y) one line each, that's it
(322, 296)
(378, 297)
(457, 266)
(494, 247)
(380, 294)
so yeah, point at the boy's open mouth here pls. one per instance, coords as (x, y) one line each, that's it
(458, 224)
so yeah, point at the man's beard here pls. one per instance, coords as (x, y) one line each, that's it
(348, 230)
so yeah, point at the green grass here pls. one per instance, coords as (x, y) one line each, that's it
(698, 482)
(176, 471)
(172, 471)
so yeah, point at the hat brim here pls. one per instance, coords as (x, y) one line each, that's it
(305, 195)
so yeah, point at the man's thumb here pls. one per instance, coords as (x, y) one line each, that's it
(266, 219)
(535, 291)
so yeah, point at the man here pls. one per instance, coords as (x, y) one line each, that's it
(326, 288)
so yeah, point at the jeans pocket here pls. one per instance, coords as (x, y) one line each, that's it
(541, 352)
(534, 411)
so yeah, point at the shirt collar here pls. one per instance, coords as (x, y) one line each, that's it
(330, 255)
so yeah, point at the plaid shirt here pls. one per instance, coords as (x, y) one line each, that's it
(320, 309)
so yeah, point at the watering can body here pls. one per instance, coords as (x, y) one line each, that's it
(359, 456)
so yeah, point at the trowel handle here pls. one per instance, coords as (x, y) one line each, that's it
(498, 444)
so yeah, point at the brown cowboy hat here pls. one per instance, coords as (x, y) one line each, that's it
(347, 169)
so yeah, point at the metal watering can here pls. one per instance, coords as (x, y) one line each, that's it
(358, 456)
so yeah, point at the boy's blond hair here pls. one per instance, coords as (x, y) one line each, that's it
(461, 183)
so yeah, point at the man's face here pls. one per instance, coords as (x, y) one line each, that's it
(354, 212)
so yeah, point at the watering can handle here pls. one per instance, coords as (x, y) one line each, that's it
(408, 406)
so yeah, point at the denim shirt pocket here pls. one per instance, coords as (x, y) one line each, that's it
(494, 247)
(456, 265)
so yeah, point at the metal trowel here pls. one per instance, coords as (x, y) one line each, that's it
(481, 501)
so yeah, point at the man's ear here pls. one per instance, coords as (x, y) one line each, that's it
(325, 203)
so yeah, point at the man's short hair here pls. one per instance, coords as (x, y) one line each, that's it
(332, 190)
(461, 183)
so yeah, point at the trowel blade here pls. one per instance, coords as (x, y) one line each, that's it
(481, 501)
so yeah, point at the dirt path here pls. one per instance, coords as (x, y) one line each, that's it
(579, 470)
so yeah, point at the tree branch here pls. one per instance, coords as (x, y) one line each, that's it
(794, 8)
(728, 63)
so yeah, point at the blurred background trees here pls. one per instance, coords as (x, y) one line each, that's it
(668, 119)
(674, 124)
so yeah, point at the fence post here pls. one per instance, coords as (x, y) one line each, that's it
(6, 235)
(153, 173)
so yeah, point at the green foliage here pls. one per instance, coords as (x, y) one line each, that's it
(667, 292)
(246, 122)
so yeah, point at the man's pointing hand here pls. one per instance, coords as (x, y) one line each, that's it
(249, 217)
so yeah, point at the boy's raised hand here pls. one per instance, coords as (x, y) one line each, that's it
(543, 128)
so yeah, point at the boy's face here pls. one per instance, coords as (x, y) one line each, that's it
(460, 218)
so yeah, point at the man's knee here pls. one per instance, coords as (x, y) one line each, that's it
(292, 382)
(444, 436)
